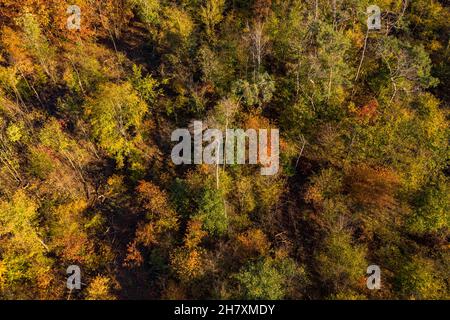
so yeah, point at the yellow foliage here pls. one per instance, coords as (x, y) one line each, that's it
(178, 22)
(187, 264)
(100, 289)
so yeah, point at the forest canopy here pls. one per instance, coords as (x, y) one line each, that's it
(86, 177)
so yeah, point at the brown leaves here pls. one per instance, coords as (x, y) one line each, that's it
(71, 241)
(16, 50)
(262, 8)
(156, 203)
(369, 111)
(188, 260)
(372, 187)
(134, 257)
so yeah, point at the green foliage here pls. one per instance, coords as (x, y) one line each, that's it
(147, 87)
(41, 164)
(86, 178)
(147, 10)
(341, 264)
(211, 15)
(213, 69)
(269, 279)
(408, 65)
(418, 279)
(211, 211)
(53, 136)
(257, 93)
(432, 208)
(15, 132)
(177, 24)
(19, 218)
(86, 68)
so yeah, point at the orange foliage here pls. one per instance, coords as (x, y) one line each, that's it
(256, 122)
(134, 257)
(252, 243)
(187, 261)
(369, 111)
(156, 202)
(71, 240)
(98, 17)
(162, 220)
(194, 234)
(372, 187)
(154, 199)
